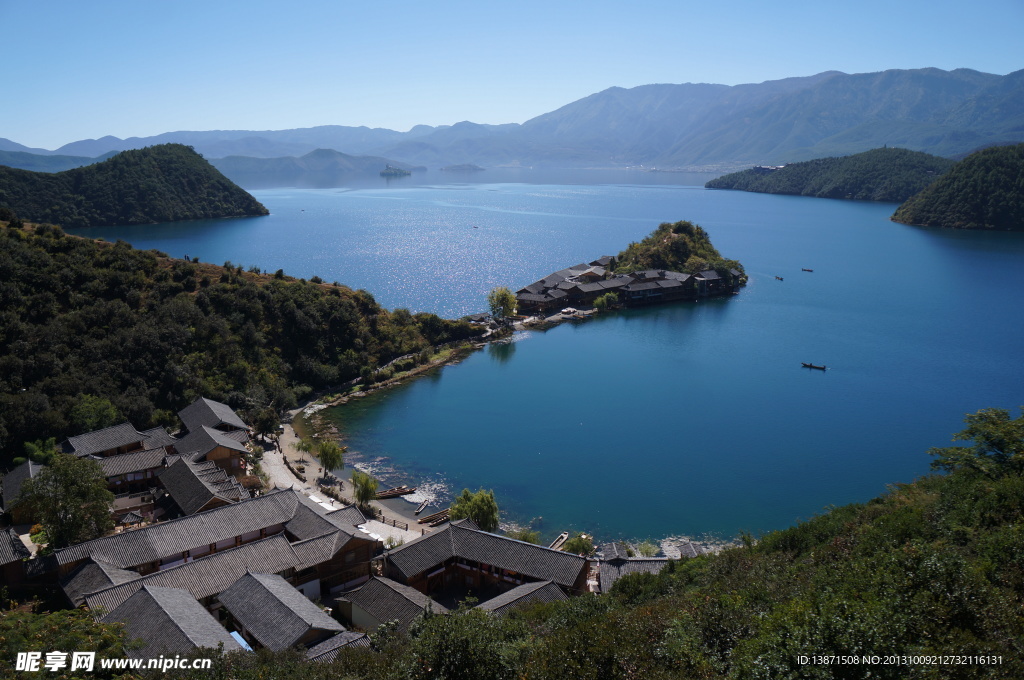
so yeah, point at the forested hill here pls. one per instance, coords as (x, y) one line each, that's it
(161, 183)
(677, 246)
(886, 174)
(93, 332)
(983, 191)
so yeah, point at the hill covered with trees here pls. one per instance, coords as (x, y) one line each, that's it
(983, 191)
(162, 183)
(677, 246)
(92, 332)
(878, 175)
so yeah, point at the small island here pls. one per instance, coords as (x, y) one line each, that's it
(676, 262)
(886, 174)
(464, 167)
(983, 191)
(392, 171)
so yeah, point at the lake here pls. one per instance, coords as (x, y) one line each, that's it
(687, 419)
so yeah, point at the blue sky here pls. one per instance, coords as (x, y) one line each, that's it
(77, 70)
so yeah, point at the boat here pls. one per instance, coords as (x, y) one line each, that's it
(778, 278)
(435, 516)
(805, 269)
(440, 520)
(395, 492)
(421, 507)
(560, 541)
(807, 365)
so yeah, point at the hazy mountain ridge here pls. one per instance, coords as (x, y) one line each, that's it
(940, 112)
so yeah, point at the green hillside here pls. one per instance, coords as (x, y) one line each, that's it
(983, 191)
(86, 324)
(679, 246)
(157, 184)
(877, 175)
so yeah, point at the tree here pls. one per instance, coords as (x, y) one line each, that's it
(331, 455)
(502, 302)
(604, 301)
(71, 499)
(998, 445)
(364, 487)
(524, 534)
(580, 544)
(647, 549)
(91, 413)
(479, 507)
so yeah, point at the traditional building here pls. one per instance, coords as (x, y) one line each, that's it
(10, 487)
(196, 487)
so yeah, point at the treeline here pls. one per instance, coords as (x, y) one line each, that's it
(983, 191)
(932, 569)
(676, 246)
(878, 175)
(162, 183)
(94, 332)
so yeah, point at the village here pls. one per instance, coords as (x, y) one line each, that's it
(206, 555)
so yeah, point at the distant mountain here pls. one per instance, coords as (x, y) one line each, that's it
(878, 175)
(983, 191)
(319, 168)
(691, 125)
(46, 163)
(157, 184)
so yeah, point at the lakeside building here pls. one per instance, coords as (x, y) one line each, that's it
(582, 284)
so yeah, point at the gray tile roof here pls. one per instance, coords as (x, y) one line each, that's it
(533, 288)
(603, 261)
(148, 544)
(612, 571)
(208, 575)
(350, 516)
(678, 276)
(709, 275)
(387, 600)
(205, 439)
(522, 596)
(459, 540)
(274, 612)
(11, 547)
(93, 576)
(132, 462)
(529, 297)
(12, 481)
(169, 621)
(327, 651)
(194, 485)
(211, 413)
(156, 438)
(103, 440)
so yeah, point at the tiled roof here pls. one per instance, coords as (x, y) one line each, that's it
(349, 515)
(327, 650)
(208, 575)
(613, 571)
(678, 276)
(103, 440)
(211, 413)
(91, 577)
(274, 612)
(156, 438)
(709, 275)
(669, 283)
(205, 439)
(141, 546)
(169, 621)
(534, 288)
(459, 540)
(650, 285)
(11, 547)
(521, 596)
(614, 551)
(387, 600)
(603, 261)
(12, 481)
(194, 485)
(132, 462)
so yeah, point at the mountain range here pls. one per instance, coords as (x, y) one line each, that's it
(687, 126)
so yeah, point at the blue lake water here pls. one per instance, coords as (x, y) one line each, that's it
(685, 419)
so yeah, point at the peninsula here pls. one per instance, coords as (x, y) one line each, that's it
(164, 183)
(886, 174)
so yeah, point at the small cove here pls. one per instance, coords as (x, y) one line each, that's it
(683, 419)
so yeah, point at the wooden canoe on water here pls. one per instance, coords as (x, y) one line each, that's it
(807, 365)
(430, 518)
(558, 542)
(421, 507)
(395, 492)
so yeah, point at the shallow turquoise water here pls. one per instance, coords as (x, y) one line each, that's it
(682, 419)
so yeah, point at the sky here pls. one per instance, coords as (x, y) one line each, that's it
(76, 70)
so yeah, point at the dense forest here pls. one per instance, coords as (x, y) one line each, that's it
(92, 332)
(878, 175)
(983, 191)
(927, 572)
(157, 184)
(676, 246)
